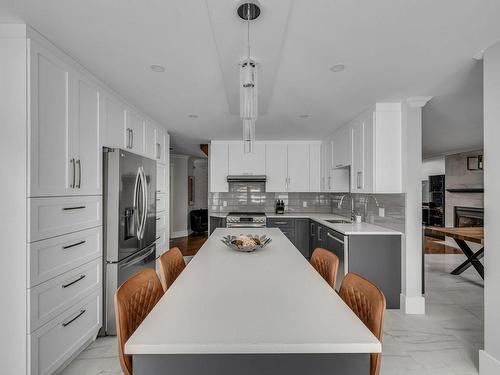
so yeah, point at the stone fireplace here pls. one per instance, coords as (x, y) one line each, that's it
(468, 216)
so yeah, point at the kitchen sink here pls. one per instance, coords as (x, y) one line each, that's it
(339, 221)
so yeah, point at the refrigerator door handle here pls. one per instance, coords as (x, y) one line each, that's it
(144, 185)
(137, 219)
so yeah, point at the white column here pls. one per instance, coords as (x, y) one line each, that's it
(489, 358)
(412, 301)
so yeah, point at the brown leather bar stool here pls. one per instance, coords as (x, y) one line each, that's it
(171, 265)
(327, 265)
(134, 299)
(367, 301)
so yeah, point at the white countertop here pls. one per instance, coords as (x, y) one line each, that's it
(346, 229)
(269, 301)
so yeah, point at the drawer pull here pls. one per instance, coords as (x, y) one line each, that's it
(75, 318)
(73, 245)
(73, 208)
(73, 282)
(334, 238)
(158, 199)
(281, 222)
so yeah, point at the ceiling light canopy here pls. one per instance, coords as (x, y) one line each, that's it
(337, 68)
(157, 68)
(248, 81)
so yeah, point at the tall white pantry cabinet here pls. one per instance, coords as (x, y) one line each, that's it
(55, 119)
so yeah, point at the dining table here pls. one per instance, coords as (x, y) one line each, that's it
(262, 312)
(462, 235)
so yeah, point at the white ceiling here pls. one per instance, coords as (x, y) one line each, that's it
(392, 49)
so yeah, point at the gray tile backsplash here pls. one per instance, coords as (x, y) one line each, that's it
(366, 205)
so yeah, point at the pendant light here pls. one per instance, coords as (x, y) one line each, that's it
(248, 82)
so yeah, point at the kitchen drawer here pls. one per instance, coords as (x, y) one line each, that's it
(50, 217)
(54, 343)
(52, 257)
(49, 299)
(161, 202)
(161, 220)
(281, 223)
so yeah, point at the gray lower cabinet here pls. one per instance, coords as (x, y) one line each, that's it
(217, 222)
(378, 258)
(296, 230)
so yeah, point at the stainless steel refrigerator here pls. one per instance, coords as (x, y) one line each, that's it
(129, 222)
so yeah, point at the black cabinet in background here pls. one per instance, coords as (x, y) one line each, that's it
(302, 236)
(217, 222)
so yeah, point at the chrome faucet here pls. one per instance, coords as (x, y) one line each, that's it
(352, 204)
(367, 199)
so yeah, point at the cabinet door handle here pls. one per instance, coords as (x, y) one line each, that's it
(360, 185)
(78, 186)
(131, 138)
(73, 282)
(72, 185)
(75, 318)
(73, 245)
(312, 230)
(73, 208)
(158, 218)
(319, 234)
(329, 183)
(158, 151)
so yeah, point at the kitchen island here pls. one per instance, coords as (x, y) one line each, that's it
(267, 312)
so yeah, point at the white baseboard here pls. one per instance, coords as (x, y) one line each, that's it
(181, 233)
(412, 305)
(487, 364)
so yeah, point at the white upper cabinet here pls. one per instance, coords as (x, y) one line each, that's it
(342, 148)
(315, 167)
(134, 132)
(247, 163)
(86, 133)
(298, 168)
(65, 146)
(160, 141)
(276, 167)
(51, 161)
(149, 140)
(113, 121)
(219, 161)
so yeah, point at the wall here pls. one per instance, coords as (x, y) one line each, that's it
(179, 194)
(13, 152)
(457, 176)
(489, 359)
(433, 167)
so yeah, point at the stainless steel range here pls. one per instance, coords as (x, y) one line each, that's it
(246, 220)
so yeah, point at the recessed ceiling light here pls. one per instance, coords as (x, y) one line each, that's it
(157, 68)
(193, 116)
(337, 68)
(303, 116)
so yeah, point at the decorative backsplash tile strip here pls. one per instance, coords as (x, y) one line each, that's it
(265, 202)
(369, 205)
(366, 205)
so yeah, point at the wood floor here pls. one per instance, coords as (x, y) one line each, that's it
(189, 245)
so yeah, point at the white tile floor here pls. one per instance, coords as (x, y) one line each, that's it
(445, 341)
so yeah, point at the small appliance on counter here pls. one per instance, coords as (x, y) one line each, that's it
(280, 207)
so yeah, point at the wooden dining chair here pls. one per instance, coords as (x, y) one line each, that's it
(171, 265)
(134, 299)
(327, 265)
(367, 301)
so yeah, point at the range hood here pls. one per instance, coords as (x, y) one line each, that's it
(246, 178)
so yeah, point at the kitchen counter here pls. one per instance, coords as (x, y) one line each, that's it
(346, 229)
(234, 311)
